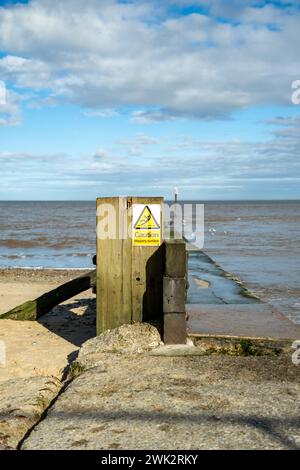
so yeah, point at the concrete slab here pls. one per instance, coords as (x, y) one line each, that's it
(174, 350)
(210, 284)
(22, 404)
(251, 321)
(163, 403)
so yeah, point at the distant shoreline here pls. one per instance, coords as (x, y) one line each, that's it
(40, 268)
(204, 201)
(53, 276)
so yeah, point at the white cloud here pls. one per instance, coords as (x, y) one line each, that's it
(140, 139)
(189, 163)
(102, 113)
(9, 107)
(24, 158)
(2, 93)
(106, 55)
(145, 117)
(101, 154)
(135, 146)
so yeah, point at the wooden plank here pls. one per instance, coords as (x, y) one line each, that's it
(34, 309)
(113, 268)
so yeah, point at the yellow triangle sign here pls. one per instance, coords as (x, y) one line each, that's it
(146, 220)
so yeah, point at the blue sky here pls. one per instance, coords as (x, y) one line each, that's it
(100, 97)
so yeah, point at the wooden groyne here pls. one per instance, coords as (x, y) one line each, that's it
(34, 309)
(145, 278)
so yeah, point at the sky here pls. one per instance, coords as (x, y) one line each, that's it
(106, 98)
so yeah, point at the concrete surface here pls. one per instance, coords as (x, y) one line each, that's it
(252, 321)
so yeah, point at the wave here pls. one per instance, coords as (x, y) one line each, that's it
(16, 256)
(65, 255)
(41, 242)
(42, 268)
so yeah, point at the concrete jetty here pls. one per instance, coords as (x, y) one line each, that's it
(219, 304)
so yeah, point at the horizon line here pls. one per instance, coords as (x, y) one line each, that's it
(166, 199)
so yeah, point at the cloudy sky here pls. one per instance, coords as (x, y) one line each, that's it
(107, 97)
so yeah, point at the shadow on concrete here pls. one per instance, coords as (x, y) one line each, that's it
(277, 428)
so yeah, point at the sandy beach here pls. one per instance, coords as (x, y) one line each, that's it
(44, 347)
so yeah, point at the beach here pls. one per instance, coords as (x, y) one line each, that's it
(61, 332)
(193, 402)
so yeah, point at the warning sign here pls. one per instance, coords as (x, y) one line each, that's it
(146, 230)
(146, 220)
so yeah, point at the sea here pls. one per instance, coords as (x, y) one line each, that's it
(257, 241)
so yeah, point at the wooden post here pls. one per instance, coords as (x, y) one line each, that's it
(129, 270)
(174, 292)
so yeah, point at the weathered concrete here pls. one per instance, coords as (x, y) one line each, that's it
(175, 328)
(22, 403)
(126, 339)
(173, 350)
(219, 304)
(251, 321)
(146, 402)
